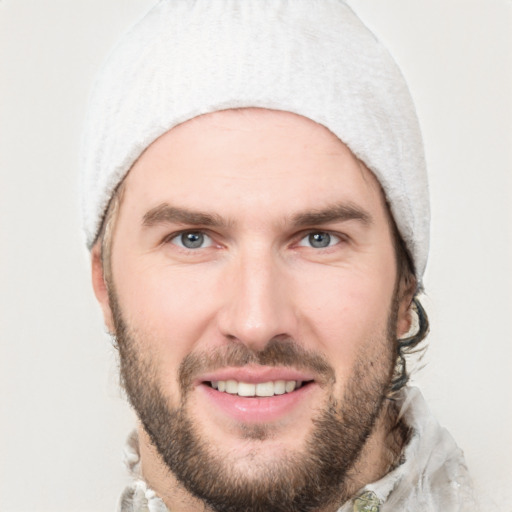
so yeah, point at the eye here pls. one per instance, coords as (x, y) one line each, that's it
(191, 240)
(319, 240)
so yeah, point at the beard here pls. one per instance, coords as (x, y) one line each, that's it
(306, 480)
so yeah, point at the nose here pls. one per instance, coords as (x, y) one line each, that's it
(258, 303)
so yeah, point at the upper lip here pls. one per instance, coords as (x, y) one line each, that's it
(255, 374)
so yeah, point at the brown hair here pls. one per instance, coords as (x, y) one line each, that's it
(405, 280)
(108, 226)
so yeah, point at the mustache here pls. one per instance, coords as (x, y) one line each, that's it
(278, 352)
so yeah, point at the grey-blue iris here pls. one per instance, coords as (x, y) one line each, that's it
(192, 240)
(319, 240)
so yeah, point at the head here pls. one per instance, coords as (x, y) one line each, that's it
(252, 246)
(258, 262)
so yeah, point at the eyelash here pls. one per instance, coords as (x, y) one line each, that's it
(339, 237)
(179, 234)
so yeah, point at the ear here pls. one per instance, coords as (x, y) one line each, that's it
(100, 286)
(406, 292)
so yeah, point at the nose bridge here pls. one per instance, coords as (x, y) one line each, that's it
(257, 308)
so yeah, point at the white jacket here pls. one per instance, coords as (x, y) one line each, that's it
(432, 478)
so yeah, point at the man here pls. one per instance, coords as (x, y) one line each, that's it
(256, 205)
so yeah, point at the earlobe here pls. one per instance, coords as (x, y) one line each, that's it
(100, 287)
(404, 320)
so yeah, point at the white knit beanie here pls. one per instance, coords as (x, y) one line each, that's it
(314, 58)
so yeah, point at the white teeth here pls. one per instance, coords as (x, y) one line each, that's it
(232, 387)
(265, 389)
(279, 387)
(245, 389)
(290, 386)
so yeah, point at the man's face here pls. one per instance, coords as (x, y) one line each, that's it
(253, 295)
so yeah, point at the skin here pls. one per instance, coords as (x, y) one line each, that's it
(257, 277)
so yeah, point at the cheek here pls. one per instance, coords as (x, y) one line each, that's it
(172, 307)
(169, 314)
(346, 313)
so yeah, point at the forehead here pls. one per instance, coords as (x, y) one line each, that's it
(250, 158)
(255, 147)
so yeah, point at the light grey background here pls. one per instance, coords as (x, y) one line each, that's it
(62, 418)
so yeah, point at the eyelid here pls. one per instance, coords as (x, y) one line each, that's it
(341, 237)
(304, 234)
(171, 236)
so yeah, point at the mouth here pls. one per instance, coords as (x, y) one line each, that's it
(255, 394)
(260, 389)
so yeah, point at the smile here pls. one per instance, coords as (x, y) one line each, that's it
(255, 394)
(261, 389)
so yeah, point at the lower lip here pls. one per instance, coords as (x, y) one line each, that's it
(256, 409)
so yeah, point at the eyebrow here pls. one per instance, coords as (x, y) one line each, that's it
(335, 213)
(165, 213)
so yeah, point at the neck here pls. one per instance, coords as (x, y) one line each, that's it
(380, 454)
(161, 480)
(383, 450)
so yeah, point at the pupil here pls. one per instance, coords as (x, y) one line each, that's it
(319, 240)
(192, 240)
